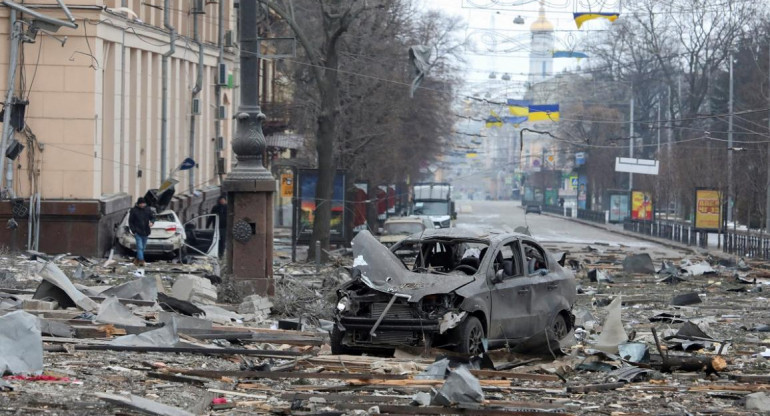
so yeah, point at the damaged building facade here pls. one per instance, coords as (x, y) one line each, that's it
(101, 127)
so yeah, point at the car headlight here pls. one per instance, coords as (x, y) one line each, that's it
(343, 304)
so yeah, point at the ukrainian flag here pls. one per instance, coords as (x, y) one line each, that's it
(515, 120)
(544, 112)
(581, 18)
(569, 54)
(518, 107)
(494, 120)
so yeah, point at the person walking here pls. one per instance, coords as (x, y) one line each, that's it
(140, 220)
(220, 209)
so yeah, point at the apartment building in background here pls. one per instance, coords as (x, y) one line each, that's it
(93, 127)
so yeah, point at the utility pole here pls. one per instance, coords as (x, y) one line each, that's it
(218, 88)
(631, 141)
(730, 201)
(767, 200)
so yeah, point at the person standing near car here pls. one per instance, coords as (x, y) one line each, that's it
(140, 220)
(220, 209)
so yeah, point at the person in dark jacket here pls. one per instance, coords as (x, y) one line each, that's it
(140, 220)
(221, 210)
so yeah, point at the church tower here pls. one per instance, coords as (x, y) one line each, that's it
(541, 49)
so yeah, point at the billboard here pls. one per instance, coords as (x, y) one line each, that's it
(619, 206)
(306, 186)
(708, 212)
(287, 185)
(582, 192)
(360, 199)
(641, 206)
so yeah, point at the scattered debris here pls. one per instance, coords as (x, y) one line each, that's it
(638, 263)
(21, 345)
(460, 387)
(686, 299)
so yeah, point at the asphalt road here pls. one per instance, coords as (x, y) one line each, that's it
(546, 228)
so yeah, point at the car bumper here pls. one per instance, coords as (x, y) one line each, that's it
(154, 247)
(366, 324)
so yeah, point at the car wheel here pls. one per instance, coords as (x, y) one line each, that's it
(335, 339)
(469, 337)
(559, 327)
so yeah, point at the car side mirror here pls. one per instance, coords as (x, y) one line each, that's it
(498, 277)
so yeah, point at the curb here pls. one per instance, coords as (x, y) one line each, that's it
(666, 243)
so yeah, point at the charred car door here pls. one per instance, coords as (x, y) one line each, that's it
(511, 294)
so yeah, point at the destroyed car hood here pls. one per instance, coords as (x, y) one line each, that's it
(381, 270)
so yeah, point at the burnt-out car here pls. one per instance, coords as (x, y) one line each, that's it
(465, 290)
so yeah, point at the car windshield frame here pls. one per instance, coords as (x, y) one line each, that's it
(431, 208)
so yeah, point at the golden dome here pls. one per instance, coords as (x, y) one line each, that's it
(541, 24)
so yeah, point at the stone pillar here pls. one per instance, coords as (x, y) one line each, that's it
(250, 186)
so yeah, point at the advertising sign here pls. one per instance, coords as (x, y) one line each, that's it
(582, 192)
(641, 206)
(708, 212)
(307, 180)
(287, 185)
(618, 206)
(360, 197)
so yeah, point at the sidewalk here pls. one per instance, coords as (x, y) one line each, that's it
(618, 229)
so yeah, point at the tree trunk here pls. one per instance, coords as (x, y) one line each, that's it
(325, 139)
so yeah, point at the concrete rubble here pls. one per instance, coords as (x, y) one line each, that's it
(97, 340)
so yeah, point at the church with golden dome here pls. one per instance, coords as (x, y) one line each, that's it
(541, 49)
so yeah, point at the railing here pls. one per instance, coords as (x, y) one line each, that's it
(593, 216)
(746, 244)
(555, 209)
(675, 231)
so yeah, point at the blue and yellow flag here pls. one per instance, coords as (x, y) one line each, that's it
(581, 18)
(518, 107)
(569, 54)
(544, 112)
(515, 120)
(494, 120)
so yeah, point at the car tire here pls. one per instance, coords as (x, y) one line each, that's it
(559, 327)
(335, 340)
(469, 336)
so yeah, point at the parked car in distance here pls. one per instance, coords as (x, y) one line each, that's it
(533, 208)
(396, 229)
(463, 290)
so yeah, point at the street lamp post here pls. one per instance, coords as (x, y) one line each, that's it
(249, 185)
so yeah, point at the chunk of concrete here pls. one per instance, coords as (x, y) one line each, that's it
(21, 344)
(39, 305)
(638, 263)
(111, 311)
(194, 289)
(460, 387)
(255, 304)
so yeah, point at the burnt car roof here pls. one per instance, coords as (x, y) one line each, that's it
(488, 236)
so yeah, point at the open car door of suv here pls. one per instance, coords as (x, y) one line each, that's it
(201, 240)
